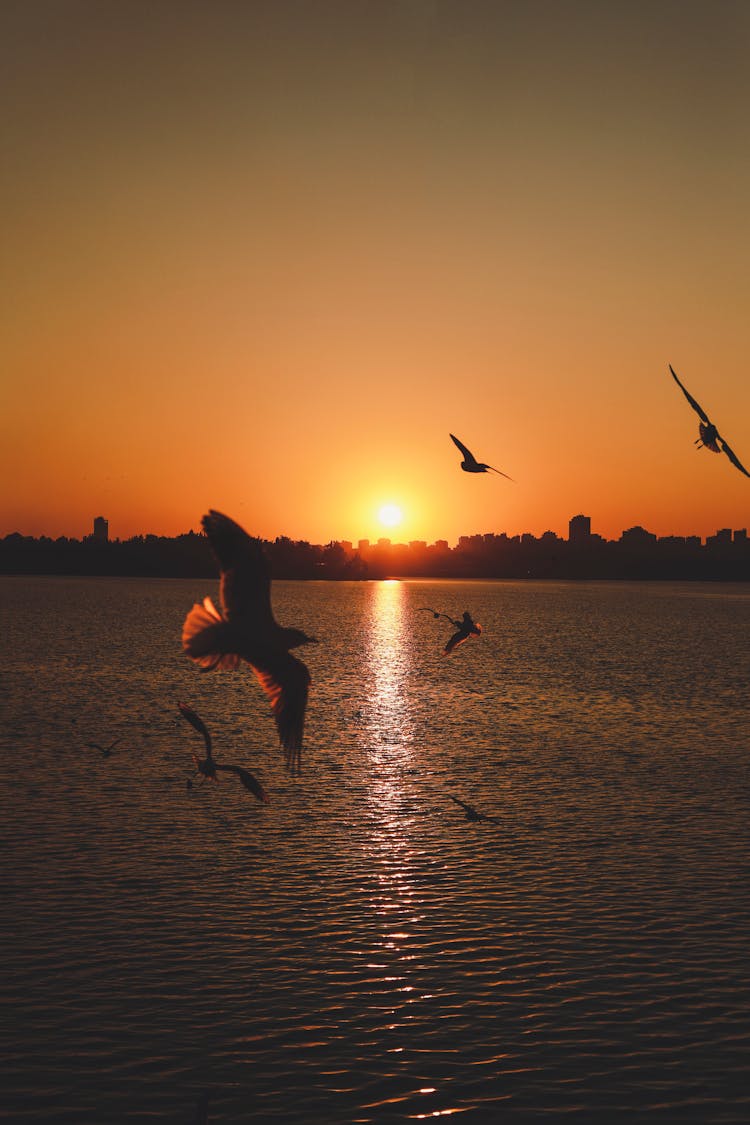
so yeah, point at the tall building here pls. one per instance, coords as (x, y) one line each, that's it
(101, 530)
(579, 529)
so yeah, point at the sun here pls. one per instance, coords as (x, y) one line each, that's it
(390, 515)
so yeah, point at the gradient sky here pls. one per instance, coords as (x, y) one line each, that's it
(264, 257)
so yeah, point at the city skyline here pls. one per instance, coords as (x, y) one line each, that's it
(579, 532)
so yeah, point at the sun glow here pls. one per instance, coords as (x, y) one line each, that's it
(390, 515)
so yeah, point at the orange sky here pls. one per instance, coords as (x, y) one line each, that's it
(264, 258)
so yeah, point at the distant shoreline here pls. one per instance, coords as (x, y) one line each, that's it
(637, 556)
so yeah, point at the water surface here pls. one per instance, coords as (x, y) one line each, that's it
(357, 951)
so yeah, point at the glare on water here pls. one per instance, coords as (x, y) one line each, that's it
(357, 950)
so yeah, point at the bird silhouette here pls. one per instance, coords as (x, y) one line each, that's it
(207, 767)
(709, 438)
(472, 813)
(466, 628)
(470, 463)
(105, 751)
(247, 630)
(434, 612)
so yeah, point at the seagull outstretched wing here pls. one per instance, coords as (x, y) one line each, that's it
(468, 455)
(732, 456)
(248, 779)
(245, 581)
(196, 721)
(286, 681)
(693, 402)
(456, 640)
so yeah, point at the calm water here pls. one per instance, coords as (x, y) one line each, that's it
(357, 951)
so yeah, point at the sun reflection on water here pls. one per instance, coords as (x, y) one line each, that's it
(389, 662)
(394, 900)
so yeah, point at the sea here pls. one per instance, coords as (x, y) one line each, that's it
(358, 949)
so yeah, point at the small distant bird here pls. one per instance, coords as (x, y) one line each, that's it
(466, 627)
(470, 463)
(434, 612)
(105, 751)
(247, 630)
(471, 813)
(710, 438)
(208, 766)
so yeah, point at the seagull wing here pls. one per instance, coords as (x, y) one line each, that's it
(197, 722)
(245, 581)
(695, 405)
(435, 613)
(458, 801)
(732, 456)
(468, 455)
(250, 782)
(456, 640)
(286, 680)
(499, 472)
(96, 746)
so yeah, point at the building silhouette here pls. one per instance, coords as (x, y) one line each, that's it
(579, 529)
(101, 530)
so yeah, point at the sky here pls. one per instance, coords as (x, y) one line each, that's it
(266, 257)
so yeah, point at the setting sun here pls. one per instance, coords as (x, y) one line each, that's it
(390, 515)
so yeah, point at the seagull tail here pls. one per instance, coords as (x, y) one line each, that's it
(206, 637)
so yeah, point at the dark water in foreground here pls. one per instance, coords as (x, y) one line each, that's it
(357, 951)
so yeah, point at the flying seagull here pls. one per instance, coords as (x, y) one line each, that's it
(470, 463)
(466, 627)
(247, 630)
(105, 751)
(208, 765)
(471, 813)
(710, 438)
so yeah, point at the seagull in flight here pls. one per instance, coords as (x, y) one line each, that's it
(105, 751)
(208, 766)
(471, 813)
(470, 463)
(246, 629)
(466, 627)
(710, 438)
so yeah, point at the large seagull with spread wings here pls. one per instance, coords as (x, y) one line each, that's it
(246, 629)
(710, 438)
(470, 463)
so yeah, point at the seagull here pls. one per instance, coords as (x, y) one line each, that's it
(247, 630)
(466, 627)
(208, 766)
(710, 438)
(471, 813)
(434, 612)
(470, 463)
(105, 751)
